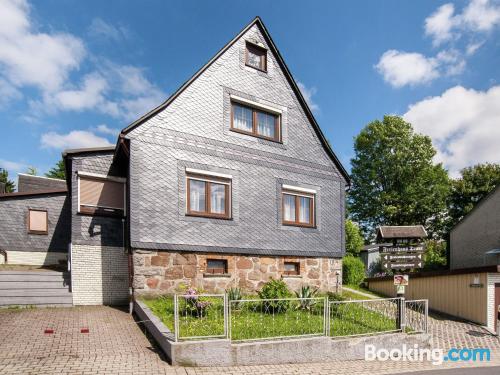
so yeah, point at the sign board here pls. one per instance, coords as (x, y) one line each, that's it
(402, 257)
(389, 266)
(402, 248)
(401, 280)
(400, 289)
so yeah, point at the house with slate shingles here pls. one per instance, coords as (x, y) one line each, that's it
(229, 182)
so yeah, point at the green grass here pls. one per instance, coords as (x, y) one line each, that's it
(252, 320)
(355, 319)
(364, 290)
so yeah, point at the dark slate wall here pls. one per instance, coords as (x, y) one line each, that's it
(28, 183)
(14, 234)
(194, 131)
(87, 229)
(476, 234)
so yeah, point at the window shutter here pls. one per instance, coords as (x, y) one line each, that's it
(101, 193)
(37, 221)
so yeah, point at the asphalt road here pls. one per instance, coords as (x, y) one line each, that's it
(462, 371)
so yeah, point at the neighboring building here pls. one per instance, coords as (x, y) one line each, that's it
(228, 183)
(30, 184)
(370, 255)
(475, 240)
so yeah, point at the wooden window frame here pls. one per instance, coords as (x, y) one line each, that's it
(84, 209)
(40, 232)
(262, 51)
(295, 272)
(217, 271)
(255, 125)
(312, 209)
(209, 180)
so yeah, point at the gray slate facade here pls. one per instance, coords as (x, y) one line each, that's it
(86, 229)
(476, 234)
(28, 183)
(14, 234)
(193, 131)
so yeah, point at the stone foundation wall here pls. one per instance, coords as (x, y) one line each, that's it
(165, 272)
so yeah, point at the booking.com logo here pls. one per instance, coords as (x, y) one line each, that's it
(436, 356)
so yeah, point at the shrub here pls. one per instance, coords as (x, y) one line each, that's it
(234, 294)
(194, 304)
(353, 270)
(275, 289)
(306, 292)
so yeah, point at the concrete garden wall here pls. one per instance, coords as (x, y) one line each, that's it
(225, 353)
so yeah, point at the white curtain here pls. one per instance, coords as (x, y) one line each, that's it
(288, 207)
(196, 195)
(217, 198)
(265, 124)
(242, 118)
(304, 210)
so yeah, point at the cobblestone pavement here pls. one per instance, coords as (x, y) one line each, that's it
(115, 344)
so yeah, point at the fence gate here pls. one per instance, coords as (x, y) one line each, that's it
(415, 315)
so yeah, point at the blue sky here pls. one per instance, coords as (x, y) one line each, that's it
(74, 72)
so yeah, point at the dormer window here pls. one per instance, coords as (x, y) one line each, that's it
(256, 56)
(258, 122)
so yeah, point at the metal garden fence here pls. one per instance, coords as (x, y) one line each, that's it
(258, 319)
(364, 317)
(416, 316)
(213, 316)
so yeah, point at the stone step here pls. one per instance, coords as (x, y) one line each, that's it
(36, 300)
(57, 292)
(59, 284)
(39, 277)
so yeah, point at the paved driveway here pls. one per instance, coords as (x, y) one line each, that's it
(116, 345)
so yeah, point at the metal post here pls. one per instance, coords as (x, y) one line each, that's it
(400, 322)
(229, 319)
(225, 315)
(176, 318)
(426, 316)
(327, 317)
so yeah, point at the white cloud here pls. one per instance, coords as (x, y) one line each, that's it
(12, 166)
(308, 94)
(8, 92)
(105, 129)
(401, 68)
(463, 124)
(439, 24)
(32, 58)
(89, 96)
(479, 16)
(101, 29)
(73, 139)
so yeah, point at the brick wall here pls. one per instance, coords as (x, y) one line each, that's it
(35, 258)
(99, 275)
(164, 272)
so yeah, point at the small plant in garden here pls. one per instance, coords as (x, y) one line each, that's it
(304, 293)
(234, 294)
(275, 289)
(194, 304)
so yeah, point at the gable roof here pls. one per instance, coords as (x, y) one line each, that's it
(480, 203)
(401, 231)
(256, 21)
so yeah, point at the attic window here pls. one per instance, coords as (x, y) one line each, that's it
(256, 56)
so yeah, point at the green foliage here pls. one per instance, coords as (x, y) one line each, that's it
(234, 294)
(435, 255)
(394, 180)
(275, 289)
(474, 184)
(4, 178)
(32, 171)
(353, 270)
(306, 292)
(353, 238)
(58, 171)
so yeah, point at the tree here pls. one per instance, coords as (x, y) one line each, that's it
(353, 238)
(435, 255)
(32, 171)
(58, 171)
(394, 180)
(4, 179)
(474, 184)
